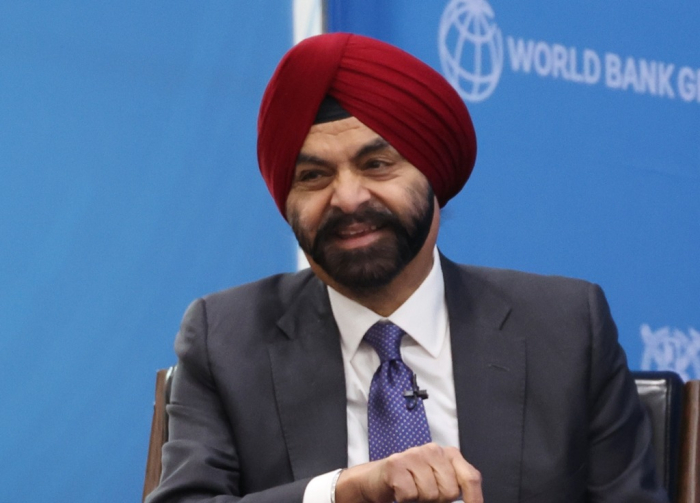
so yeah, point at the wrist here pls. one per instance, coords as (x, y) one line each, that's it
(345, 490)
(354, 485)
(334, 483)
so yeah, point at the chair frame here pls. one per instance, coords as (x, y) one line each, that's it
(689, 461)
(159, 430)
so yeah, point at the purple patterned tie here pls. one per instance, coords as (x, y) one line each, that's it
(395, 422)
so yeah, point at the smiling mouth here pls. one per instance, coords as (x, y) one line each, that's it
(354, 230)
(357, 235)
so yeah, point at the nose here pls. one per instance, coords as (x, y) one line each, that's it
(349, 192)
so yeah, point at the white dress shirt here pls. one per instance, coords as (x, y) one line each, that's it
(425, 349)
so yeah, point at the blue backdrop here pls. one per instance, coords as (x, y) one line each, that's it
(129, 187)
(588, 120)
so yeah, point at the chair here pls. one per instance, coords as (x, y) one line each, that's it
(661, 394)
(674, 409)
(159, 430)
(689, 462)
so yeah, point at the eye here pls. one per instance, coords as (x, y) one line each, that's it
(309, 175)
(376, 164)
(312, 178)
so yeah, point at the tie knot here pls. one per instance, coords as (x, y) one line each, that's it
(385, 338)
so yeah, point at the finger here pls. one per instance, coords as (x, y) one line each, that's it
(469, 478)
(432, 472)
(438, 482)
(422, 469)
(447, 482)
(399, 478)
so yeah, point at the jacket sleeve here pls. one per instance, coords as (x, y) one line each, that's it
(200, 462)
(621, 459)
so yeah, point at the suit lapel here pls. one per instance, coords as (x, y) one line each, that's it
(309, 383)
(489, 374)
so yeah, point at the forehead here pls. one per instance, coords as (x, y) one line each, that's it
(337, 136)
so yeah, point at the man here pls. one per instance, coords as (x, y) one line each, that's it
(275, 396)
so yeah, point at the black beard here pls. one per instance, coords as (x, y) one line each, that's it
(374, 266)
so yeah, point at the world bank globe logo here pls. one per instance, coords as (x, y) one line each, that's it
(471, 48)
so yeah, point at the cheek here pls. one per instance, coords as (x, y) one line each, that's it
(406, 201)
(304, 212)
(419, 192)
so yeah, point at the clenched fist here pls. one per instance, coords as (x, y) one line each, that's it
(428, 473)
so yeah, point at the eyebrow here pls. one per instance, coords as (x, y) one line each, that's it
(371, 147)
(303, 158)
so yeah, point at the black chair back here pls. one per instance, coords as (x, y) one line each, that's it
(661, 392)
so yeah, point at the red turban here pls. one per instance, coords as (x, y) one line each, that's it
(401, 98)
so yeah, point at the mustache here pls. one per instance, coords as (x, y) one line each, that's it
(337, 220)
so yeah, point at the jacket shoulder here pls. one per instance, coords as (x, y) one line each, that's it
(512, 284)
(268, 294)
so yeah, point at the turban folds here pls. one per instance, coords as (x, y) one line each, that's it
(401, 98)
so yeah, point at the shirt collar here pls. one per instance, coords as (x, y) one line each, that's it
(423, 316)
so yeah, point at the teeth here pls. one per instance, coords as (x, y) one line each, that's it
(351, 233)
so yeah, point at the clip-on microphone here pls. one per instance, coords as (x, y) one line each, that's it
(412, 395)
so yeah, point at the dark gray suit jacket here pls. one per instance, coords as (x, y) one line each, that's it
(546, 406)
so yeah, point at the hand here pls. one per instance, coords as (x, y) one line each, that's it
(428, 473)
